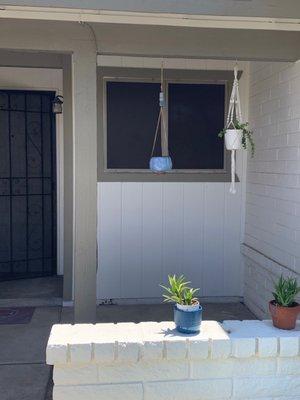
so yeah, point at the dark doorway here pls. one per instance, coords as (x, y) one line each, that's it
(27, 185)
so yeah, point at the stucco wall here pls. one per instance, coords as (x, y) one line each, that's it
(273, 185)
(149, 230)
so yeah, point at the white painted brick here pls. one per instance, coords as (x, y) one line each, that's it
(243, 347)
(267, 346)
(80, 343)
(143, 371)
(98, 392)
(289, 366)
(293, 139)
(292, 167)
(80, 352)
(128, 352)
(176, 349)
(266, 386)
(295, 107)
(220, 348)
(276, 141)
(75, 374)
(288, 346)
(105, 342)
(153, 351)
(267, 155)
(188, 390)
(270, 106)
(197, 377)
(104, 352)
(129, 342)
(212, 369)
(56, 354)
(198, 349)
(288, 126)
(289, 153)
(254, 367)
(153, 344)
(268, 233)
(57, 348)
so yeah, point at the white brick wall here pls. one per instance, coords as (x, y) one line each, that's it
(272, 222)
(239, 360)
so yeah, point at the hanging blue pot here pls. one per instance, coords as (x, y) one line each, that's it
(160, 164)
(188, 321)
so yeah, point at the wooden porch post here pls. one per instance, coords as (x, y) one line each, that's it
(84, 65)
(68, 180)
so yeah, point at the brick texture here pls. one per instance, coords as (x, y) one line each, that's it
(236, 360)
(272, 221)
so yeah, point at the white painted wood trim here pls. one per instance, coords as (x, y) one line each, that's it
(116, 60)
(162, 19)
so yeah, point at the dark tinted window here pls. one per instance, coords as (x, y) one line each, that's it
(195, 116)
(132, 111)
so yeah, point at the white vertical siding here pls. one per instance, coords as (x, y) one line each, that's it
(148, 230)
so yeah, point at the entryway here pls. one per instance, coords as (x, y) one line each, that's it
(27, 185)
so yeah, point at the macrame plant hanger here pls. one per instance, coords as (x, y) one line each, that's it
(234, 114)
(163, 163)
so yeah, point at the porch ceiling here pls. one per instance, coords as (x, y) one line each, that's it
(171, 41)
(150, 41)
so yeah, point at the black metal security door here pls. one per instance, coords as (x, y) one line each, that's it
(27, 185)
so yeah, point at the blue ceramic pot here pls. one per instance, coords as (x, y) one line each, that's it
(188, 321)
(160, 164)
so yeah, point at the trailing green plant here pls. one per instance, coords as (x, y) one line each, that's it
(247, 135)
(285, 291)
(179, 291)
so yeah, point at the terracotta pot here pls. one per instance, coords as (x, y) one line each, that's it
(284, 317)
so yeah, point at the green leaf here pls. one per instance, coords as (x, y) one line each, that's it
(179, 290)
(285, 291)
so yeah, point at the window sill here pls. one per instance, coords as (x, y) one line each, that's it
(173, 176)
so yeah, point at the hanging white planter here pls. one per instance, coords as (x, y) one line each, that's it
(233, 139)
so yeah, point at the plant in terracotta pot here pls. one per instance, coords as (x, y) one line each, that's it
(284, 309)
(187, 309)
(238, 136)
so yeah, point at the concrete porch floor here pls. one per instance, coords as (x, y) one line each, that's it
(23, 372)
(46, 291)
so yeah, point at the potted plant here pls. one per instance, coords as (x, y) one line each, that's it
(284, 309)
(238, 136)
(187, 309)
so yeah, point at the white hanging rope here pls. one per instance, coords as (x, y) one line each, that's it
(161, 120)
(232, 185)
(234, 113)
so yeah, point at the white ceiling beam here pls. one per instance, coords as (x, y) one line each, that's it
(155, 19)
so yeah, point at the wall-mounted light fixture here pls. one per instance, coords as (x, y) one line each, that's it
(57, 103)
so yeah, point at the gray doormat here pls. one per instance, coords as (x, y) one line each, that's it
(16, 315)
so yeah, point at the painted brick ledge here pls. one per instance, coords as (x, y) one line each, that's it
(150, 341)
